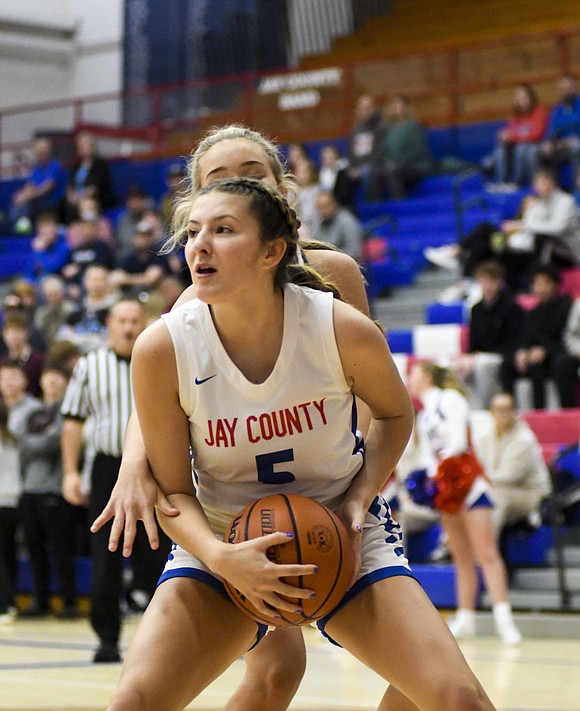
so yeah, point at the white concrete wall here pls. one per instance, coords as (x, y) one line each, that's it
(57, 49)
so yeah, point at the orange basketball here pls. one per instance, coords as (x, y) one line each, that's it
(320, 538)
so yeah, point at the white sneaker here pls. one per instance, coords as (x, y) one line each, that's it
(462, 626)
(509, 633)
(7, 617)
(442, 256)
(452, 294)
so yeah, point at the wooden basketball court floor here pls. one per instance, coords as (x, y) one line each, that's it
(46, 665)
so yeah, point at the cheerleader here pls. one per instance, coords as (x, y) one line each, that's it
(463, 497)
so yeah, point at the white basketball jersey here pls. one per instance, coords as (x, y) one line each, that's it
(293, 433)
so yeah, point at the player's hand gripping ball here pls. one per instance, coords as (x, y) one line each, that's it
(320, 538)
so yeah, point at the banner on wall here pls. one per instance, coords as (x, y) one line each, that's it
(176, 41)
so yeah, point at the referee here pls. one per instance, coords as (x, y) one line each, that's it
(100, 388)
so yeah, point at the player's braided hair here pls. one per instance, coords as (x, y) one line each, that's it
(277, 220)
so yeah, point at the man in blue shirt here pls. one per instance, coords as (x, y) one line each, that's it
(43, 190)
(563, 143)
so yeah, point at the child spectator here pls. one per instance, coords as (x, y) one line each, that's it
(49, 248)
(16, 335)
(47, 519)
(512, 458)
(516, 155)
(89, 210)
(136, 202)
(10, 488)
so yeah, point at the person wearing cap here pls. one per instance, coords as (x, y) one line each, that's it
(142, 269)
(541, 343)
(136, 202)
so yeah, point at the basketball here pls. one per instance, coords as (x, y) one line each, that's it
(320, 538)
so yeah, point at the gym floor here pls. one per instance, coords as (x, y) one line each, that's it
(45, 665)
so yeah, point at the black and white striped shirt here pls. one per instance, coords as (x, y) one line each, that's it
(100, 388)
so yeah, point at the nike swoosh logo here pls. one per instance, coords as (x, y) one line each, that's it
(204, 380)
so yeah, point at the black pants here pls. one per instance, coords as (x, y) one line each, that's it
(49, 532)
(8, 518)
(566, 378)
(107, 567)
(538, 373)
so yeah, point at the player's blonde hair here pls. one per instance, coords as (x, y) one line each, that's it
(442, 377)
(285, 181)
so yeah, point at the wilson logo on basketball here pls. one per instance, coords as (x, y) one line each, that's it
(233, 531)
(321, 538)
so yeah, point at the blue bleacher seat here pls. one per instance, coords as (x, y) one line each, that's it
(446, 313)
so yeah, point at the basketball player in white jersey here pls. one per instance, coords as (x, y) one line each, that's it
(249, 346)
(275, 668)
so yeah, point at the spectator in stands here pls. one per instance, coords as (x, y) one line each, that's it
(63, 354)
(541, 341)
(443, 426)
(47, 519)
(18, 400)
(136, 202)
(567, 365)
(405, 154)
(494, 328)
(366, 146)
(175, 180)
(334, 177)
(86, 326)
(516, 155)
(170, 289)
(549, 230)
(338, 226)
(21, 300)
(563, 139)
(89, 252)
(307, 190)
(43, 190)
(513, 461)
(10, 488)
(143, 268)
(297, 154)
(53, 313)
(89, 210)
(49, 248)
(90, 177)
(16, 335)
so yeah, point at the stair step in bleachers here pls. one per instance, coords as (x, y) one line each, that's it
(446, 313)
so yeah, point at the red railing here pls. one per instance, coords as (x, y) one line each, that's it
(450, 86)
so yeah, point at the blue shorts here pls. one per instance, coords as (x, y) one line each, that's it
(382, 556)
